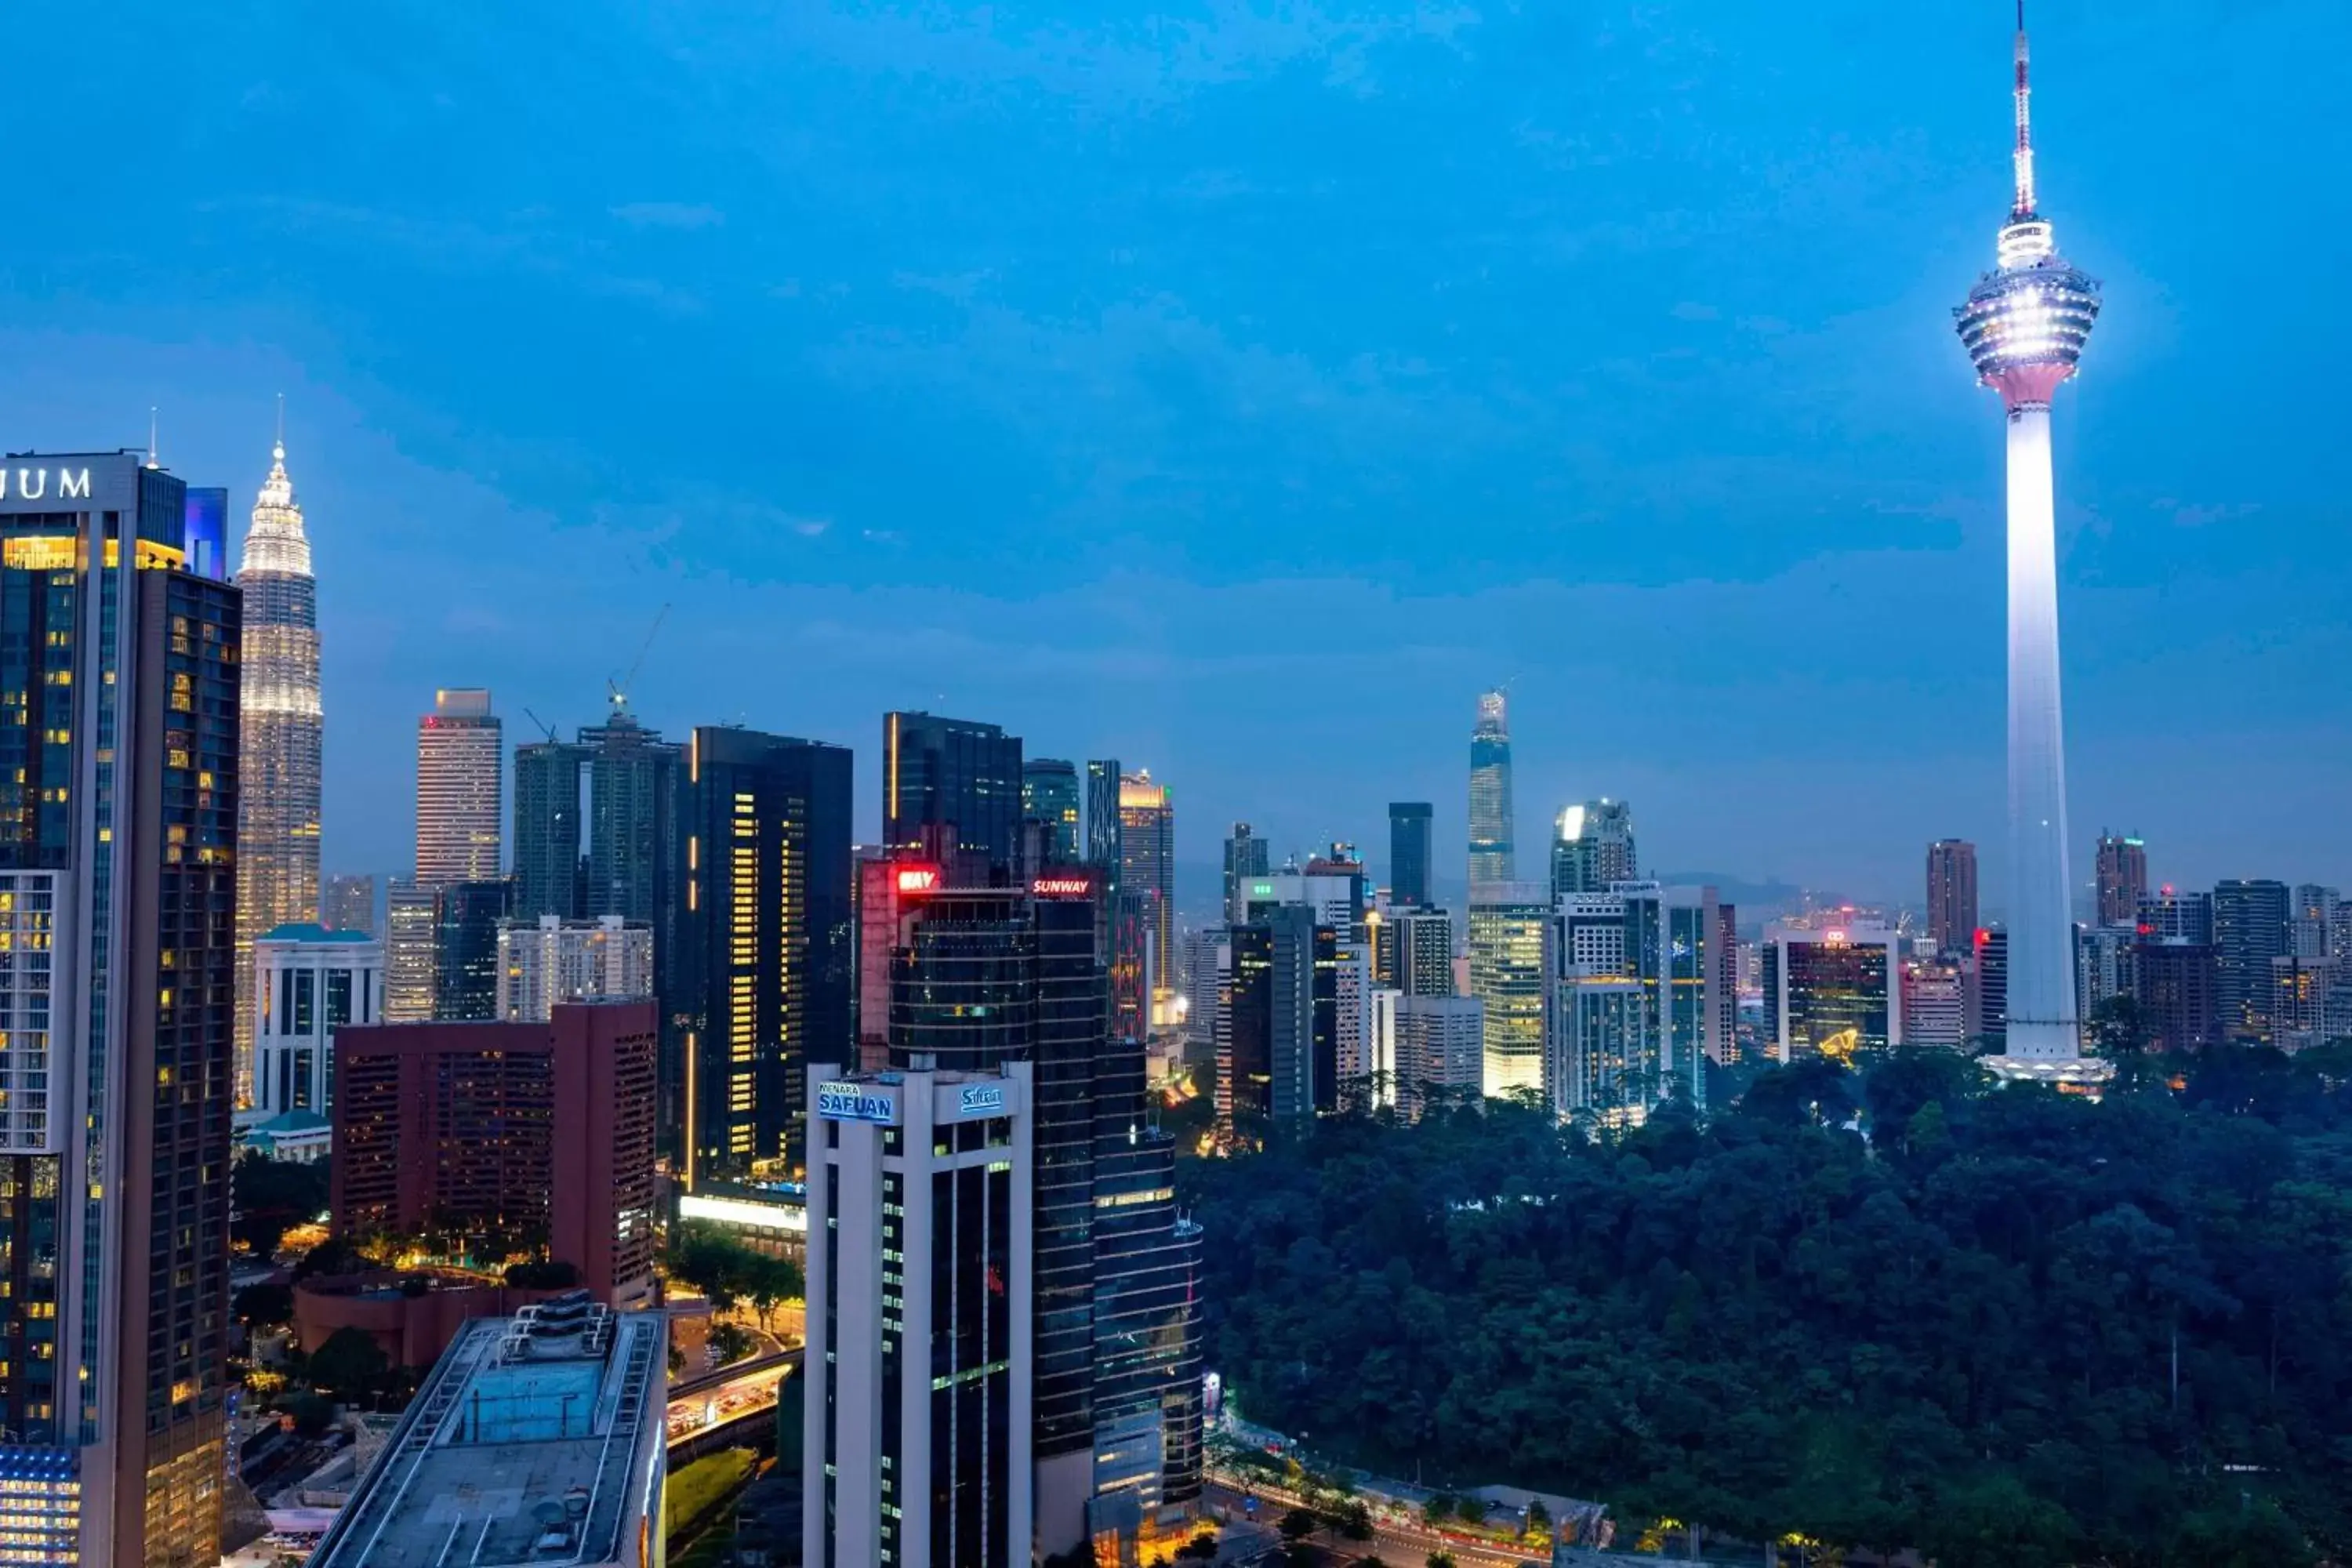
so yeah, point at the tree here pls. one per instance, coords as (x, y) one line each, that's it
(272, 1196)
(1441, 1560)
(265, 1305)
(349, 1366)
(731, 1343)
(769, 1282)
(1202, 1548)
(1539, 1517)
(1297, 1525)
(311, 1413)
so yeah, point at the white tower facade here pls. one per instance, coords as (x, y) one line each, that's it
(2024, 325)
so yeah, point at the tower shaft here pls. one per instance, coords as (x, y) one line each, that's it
(2041, 1010)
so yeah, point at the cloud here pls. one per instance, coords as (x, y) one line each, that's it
(668, 215)
(2202, 514)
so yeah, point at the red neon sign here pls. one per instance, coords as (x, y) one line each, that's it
(918, 879)
(1062, 886)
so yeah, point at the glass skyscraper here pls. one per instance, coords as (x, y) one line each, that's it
(280, 727)
(1491, 811)
(1410, 822)
(1049, 794)
(119, 801)
(939, 772)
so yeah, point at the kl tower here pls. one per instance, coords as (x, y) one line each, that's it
(2024, 326)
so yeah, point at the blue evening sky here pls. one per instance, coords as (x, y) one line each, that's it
(1238, 388)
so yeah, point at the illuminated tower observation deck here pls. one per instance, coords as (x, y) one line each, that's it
(2024, 326)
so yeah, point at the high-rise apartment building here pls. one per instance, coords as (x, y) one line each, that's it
(466, 920)
(1441, 1050)
(545, 963)
(280, 726)
(923, 1326)
(120, 782)
(1049, 794)
(2316, 917)
(565, 1401)
(1245, 862)
(1833, 992)
(2177, 982)
(2122, 877)
(506, 1132)
(1592, 847)
(596, 831)
(2250, 926)
(766, 960)
(1492, 816)
(1951, 895)
(939, 772)
(411, 942)
(308, 984)
(1411, 837)
(459, 769)
(1511, 965)
(1424, 961)
(348, 903)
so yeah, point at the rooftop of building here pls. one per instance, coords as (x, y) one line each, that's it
(527, 1444)
(305, 931)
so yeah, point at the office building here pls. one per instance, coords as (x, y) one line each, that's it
(1049, 794)
(921, 1411)
(459, 770)
(1245, 863)
(1639, 1006)
(2177, 982)
(2168, 915)
(1833, 992)
(1987, 996)
(310, 983)
(411, 939)
(348, 903)
(1423, 946)
(1492, 815)
(1134, 915)
(1147, 847)
(1441, 1051)
(1352, 1020)
(2316, 915)
(278, 731)
(1304, 1021)
(549, 875)
(466, 920)
(536, 1438)
(1511, 965)
(765, 969)
(1411, 837)
(1102, 814)
(939, 772)
(1205, 960)
(1935, 1003)
(2122, 877)
(545, 963)
(504, 1134)
(2024, 324)
(1244, 1085)
(1951, 895)
(2250, 926)
(1592, 847)
(2103, 956)
(119, 807)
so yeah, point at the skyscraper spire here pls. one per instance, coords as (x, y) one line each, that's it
(2024, 156)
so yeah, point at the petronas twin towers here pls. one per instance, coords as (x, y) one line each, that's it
(279, 738)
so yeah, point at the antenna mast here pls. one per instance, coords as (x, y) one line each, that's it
(2024, 154)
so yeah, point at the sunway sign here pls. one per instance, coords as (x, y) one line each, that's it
(918, 879)
(1062, 886)
(44, 484)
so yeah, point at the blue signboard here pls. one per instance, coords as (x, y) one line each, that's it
(857, 1102)
(981, 1099)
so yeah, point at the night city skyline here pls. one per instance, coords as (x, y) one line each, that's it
(1136, 379)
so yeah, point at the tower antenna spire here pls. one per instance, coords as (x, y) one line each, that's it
(2024, 154)
(151, 437)
(281, 396)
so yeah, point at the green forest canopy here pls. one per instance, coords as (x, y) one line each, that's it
(1959, 1334)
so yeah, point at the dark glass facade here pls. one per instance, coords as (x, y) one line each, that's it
(466, 917)
(1410, 836)
(766, 950)
(548, 876)
(2252, 925)
(1049, 796)
(939, 772)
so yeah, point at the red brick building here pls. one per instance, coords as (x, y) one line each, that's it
(526, 1131)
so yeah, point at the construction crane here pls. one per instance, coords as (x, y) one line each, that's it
(539, 723)
(619, 689)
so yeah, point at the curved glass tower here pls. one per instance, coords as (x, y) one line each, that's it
(2024, 325)
(279, 732)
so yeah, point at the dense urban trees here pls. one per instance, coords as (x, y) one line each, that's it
(1880, 1309)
